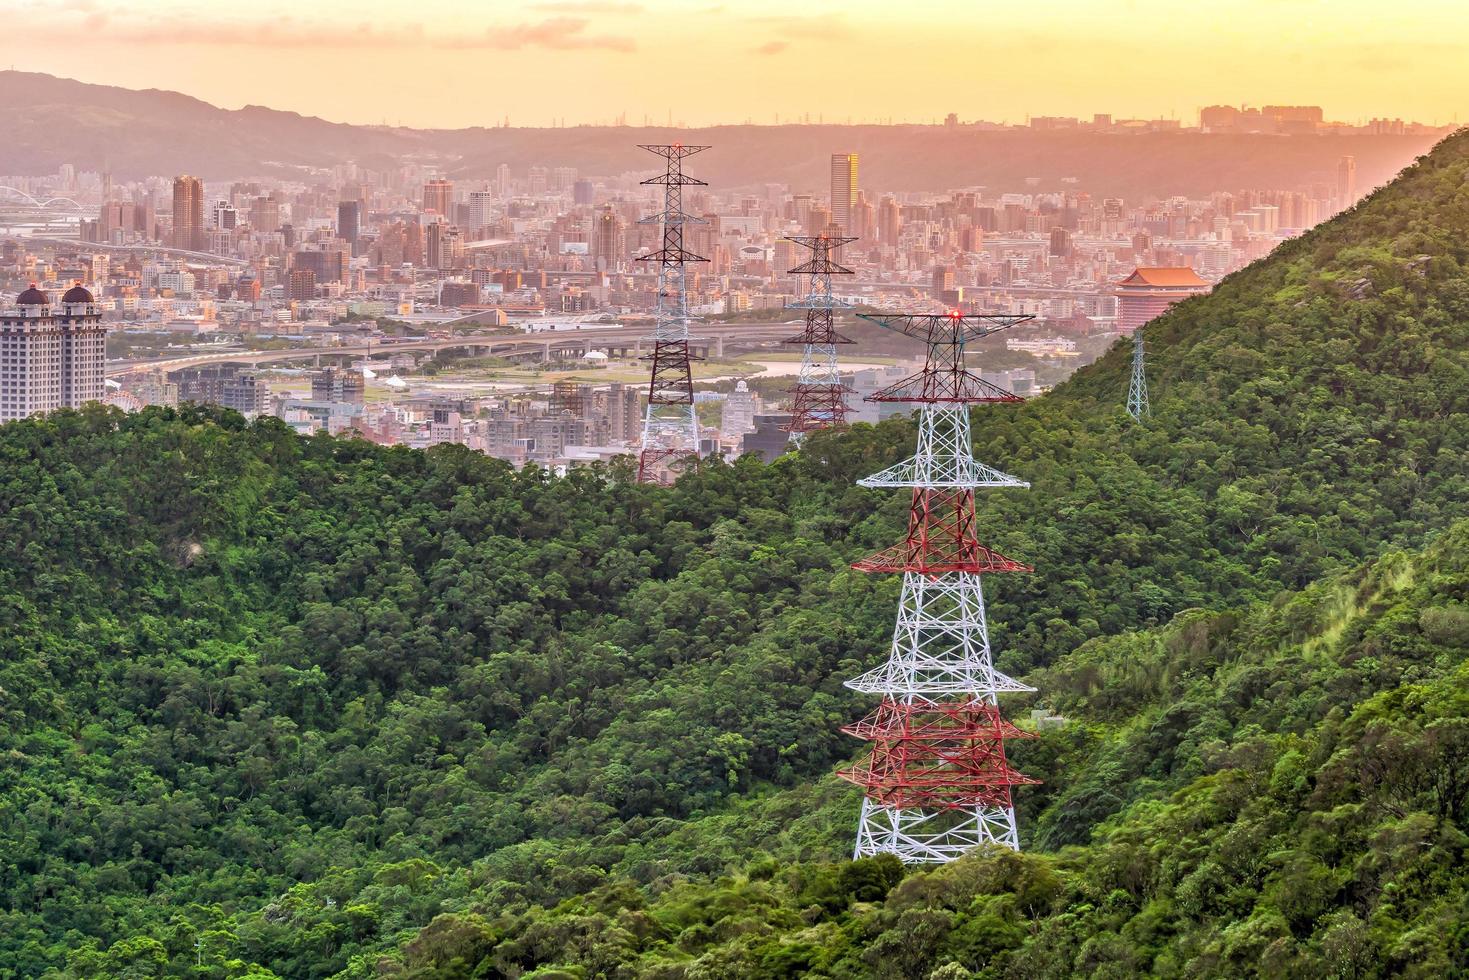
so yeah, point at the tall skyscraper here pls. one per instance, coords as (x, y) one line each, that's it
(188, 212)
(349, 221)
(1346, 182)
(608, 241)
(438, 196)
(51, 360)
(843, 189)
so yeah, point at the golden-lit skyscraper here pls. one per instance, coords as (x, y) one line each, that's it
(188, 213)
(843, 190)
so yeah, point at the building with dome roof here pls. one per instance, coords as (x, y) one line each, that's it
(51, 356)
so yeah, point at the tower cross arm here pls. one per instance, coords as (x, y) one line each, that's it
(946, 327)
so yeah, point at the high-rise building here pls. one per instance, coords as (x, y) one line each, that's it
(246, 393)
(843, 190)
(223, 216)
(624, 413)
(265, 214)
(336, 385)
(863, 223)
(737, 417)
(608, 241)
(301, 286)
(51, 359)
(1346, 182)
(349, 222)
(438, 196)
(480, 210)
(1060, 242)
(889, 221)
(188, 212)
(330, 260)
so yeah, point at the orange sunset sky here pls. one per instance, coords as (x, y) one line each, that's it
(459, 63)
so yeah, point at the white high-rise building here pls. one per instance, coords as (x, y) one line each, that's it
(48, 359)
(738, 414)
(480, 209)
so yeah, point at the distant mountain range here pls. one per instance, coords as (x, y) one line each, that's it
(51, 121)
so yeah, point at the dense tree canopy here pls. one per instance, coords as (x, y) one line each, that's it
(311, 707)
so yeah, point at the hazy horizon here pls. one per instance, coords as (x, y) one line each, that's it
(597, 61)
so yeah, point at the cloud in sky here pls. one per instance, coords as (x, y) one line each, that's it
(588, 7)
(771, 47)
(555, 33)
(562, 33)
(830, 28)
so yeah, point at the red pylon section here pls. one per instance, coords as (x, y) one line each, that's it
(941, 538)
(936, 755)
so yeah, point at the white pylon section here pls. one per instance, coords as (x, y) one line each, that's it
(671, 427)
(944, 459)
(1137, 390)
(819, 364)
(941, 644)
(933, 836)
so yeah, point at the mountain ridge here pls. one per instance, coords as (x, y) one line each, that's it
(156, 131)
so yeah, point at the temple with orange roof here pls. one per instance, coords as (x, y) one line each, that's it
(1149, 292)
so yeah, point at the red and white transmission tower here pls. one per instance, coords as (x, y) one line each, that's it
(670, 427)
(937, 783)
(818, 401)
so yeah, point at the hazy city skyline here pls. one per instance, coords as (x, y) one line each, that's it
(764, 64)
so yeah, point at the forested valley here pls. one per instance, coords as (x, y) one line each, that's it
(284, 707)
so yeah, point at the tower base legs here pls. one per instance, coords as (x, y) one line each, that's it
(933, 836)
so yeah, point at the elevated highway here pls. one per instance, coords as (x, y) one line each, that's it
(550, 345)
(151, 249)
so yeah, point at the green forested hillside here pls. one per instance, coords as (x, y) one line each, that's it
(313, 707)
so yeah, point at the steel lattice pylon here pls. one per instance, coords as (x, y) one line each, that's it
(1137, 391)
(936, 782)
(818, 400)
(936, 755)
(670, 426)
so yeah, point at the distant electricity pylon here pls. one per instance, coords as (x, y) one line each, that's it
(671, 426)
(818, 401)
(1137, 391)
(936, 783)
